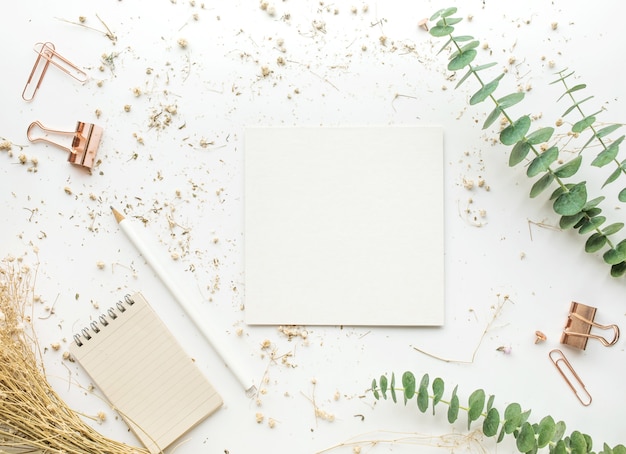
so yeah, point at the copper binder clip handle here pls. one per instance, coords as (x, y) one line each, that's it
(85, 141)
(578, 327)
(585, 398)
(47, 55)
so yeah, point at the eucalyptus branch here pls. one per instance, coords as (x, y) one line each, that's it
(569, 200)
(529, 437)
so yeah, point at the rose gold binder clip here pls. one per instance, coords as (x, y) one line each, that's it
(557, 357)
(578, 327)
(85, 142)
(47, 55)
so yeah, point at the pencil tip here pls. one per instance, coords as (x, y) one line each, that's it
(118, 216)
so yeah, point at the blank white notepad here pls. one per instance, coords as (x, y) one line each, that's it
(144, 373)
(344, 225)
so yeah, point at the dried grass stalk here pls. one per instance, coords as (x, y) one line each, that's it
(33, 418)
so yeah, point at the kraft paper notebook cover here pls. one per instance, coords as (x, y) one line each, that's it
(344, 225)
(144, 373)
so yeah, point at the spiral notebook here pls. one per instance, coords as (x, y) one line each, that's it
(145, 374)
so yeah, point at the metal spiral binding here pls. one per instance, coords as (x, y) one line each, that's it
(96, 326)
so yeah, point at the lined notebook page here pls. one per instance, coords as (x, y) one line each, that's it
(144, 373)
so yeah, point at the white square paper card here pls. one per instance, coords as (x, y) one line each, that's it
(344, 226)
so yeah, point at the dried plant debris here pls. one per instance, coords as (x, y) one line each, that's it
(33, 418)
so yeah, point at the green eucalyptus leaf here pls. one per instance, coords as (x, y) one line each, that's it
(562, 78)
(485, 91)
(464, 78)
(618, 269)
(438, 388)
(453, 408)
(607, 130)
(616, 255)
(462, 60)
(540, 136)
(567, 222)
(393, 388)
(569, 168)
(408, 383)
(592, 212)
(449, 21)
(613, 228)
(526, 440)
(383, 386)
(441, 30)
(436, 15)
(571, 90)
(512, 417)
(375, 390)
(447, 12)
(515, 132)
(422, 395)
(542, 162)
(608, 154)
(462, 38)
(576, 105)
(572, 201)
(578, 443)
(492, 117)
(560, 448)
(547, 429)
(593, 203)
(476, 405)
(519, 152)
(541, 184)
(595, 242)
(560, 431)
(622, 195)
(491, 423)
(592, 224)
(616, 173)
(490, 402)
(510, 100)
(583, 124)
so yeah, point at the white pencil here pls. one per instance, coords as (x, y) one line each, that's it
(220, 347)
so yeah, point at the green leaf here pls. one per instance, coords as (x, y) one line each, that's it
(516, 131)
(462, 60)
(619, 449)
(576, 105)
(485, 91)
(616, 173)
(613, 228)
(562, 78)
(608, 154)
(383, 386)
(490, 402)
(618, 269)
(519, 153)
(512, 417)
(569, 168)
(422, 395)
(541, 184)
(616, 255)
(560, 431)
(622, 195)
(607, 130)
(453, 408)
(526, 438)
(438, 388)
(578, 443)
(491, 423)
(408, 383)
(540, 136)
(572, 201)
(510, 100)
(593, 203)
(567, 222)
(583, 124)
(560, 448)
(542, 162)
(375, 390)
(571, 90)
(592, 224)
(393, 388)
(441, 30)
(547, 429)
(447, 12)
(493, 116)
(595, 242)
(476, 405)
(449, 21)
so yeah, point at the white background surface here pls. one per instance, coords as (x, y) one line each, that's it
(185, 182)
